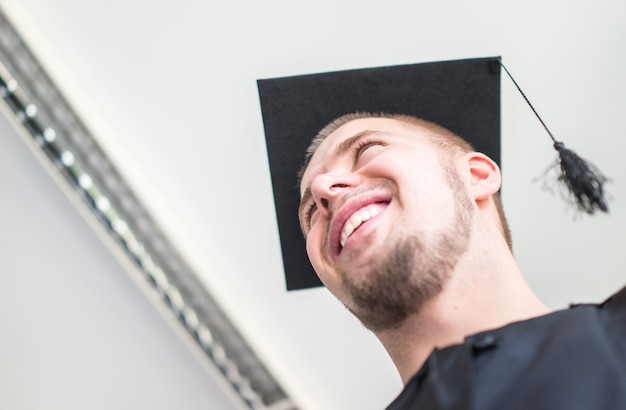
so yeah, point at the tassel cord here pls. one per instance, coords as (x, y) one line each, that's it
(529, 104)
(583, 180)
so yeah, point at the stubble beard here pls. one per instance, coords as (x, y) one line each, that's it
(414, 272)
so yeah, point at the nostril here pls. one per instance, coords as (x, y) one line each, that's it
(324, 203)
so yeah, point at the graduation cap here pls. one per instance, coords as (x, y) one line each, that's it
(460, 95)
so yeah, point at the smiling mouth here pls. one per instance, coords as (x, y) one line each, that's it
(358, 218)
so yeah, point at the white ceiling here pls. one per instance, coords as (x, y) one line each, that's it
(77, 331)
(168, 88)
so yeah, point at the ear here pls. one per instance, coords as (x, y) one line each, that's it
(485, 175)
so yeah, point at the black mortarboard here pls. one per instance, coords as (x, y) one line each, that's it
(461, 95)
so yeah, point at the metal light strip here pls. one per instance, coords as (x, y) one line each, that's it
(42, 111)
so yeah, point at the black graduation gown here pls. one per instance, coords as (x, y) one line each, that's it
(574, 359)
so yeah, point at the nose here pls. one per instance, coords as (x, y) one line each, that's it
(326, 188)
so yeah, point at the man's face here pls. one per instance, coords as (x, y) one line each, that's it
(385, 216)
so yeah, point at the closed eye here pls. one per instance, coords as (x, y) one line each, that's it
(363, 145)
(307, 215)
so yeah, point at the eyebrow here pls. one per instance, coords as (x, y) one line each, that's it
(346, 144)
(305, 197)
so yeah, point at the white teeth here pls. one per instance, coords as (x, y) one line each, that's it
(357, 219)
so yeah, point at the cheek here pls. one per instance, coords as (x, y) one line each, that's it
(423, 193)
(314, 250)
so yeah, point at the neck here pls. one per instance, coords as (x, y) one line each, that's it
(480, 295)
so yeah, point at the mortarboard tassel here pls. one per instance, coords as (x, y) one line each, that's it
(583, 180)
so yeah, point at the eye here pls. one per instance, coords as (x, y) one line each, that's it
(363, 145)
(309, 214)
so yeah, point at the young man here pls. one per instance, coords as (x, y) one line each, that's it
(403, 225)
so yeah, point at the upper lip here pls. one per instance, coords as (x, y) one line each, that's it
(346, 210)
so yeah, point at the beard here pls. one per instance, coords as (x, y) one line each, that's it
(415, 271)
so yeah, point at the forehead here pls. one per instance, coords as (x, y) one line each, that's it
(325, 151)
